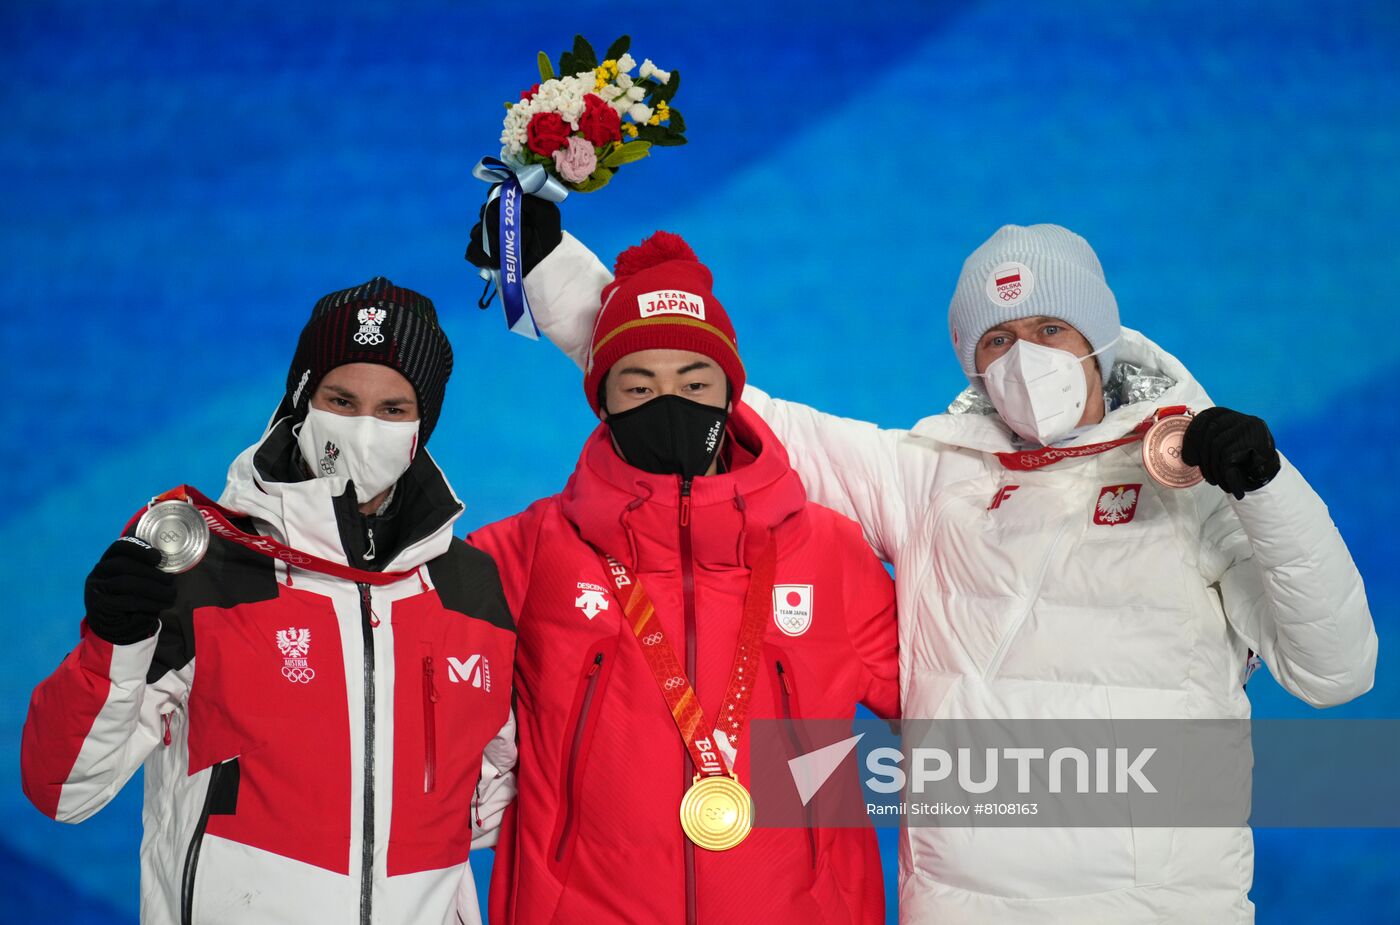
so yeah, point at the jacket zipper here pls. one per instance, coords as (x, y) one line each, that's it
(688, 594)
(785, 694)
(571, 774)
(192, 853)
(994, 664)
(430, 699)
(367, 623)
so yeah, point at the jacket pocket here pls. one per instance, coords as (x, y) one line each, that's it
(430, 699)
(587, 701)
(788, 710)
(221, 798)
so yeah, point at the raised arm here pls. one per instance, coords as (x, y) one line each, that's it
(1290, 588)
(94, 721)
(564, 291)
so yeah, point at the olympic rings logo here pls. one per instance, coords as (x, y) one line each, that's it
(673, 683)
(299, 675)
(365, 339)
(653, 639)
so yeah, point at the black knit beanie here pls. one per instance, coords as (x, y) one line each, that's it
(376, 322)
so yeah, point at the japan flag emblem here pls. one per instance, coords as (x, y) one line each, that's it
(792, 608)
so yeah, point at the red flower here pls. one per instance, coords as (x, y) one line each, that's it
(547, 133)
(530, 92)
(600, 123)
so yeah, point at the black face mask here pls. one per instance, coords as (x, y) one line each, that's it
(669, 435)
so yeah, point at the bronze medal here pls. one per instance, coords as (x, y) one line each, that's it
(717, 813)
(1161, 453)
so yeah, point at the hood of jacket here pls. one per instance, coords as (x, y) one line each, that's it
(1145, 378)
(635, 516)
(314, 515)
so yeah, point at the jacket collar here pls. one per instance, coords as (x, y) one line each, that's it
(310, 514)
(635, 515)
(988, 434)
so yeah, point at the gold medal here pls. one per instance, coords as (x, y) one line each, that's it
(1161, 453)
(717, 813)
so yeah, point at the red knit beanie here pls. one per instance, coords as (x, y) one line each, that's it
(660, 298)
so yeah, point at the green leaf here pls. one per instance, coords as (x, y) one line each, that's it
(618, 49)
(546, 69)
(669, 88)
(596, 181)
(626, 154)
(585, 54)
(510, 105)
(676, 123)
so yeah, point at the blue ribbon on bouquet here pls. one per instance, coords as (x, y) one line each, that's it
(510, 183)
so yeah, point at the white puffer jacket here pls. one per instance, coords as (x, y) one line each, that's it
(1030, 608)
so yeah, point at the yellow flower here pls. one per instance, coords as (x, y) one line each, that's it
(630, 129)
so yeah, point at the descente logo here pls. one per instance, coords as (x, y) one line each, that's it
(671, 302)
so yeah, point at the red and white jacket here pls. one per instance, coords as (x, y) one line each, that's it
(316, 749)
(594, 835)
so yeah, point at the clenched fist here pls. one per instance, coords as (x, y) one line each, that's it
(1235, 451)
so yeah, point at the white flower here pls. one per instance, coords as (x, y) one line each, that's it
(610, 92)
(563, 95)
(624, 81)
(635, 94)
(625, 63)
(640, 112)
(651, 70)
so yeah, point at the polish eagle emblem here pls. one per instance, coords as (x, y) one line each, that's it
(1117, 504)
(293, 642)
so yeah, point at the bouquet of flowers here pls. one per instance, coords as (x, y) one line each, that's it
(584, 124)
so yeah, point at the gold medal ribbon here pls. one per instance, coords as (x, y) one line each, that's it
(716, 812)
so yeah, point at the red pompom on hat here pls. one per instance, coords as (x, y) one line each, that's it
(661, 299)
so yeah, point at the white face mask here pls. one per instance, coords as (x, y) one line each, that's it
(371, 452)
(1039, 391)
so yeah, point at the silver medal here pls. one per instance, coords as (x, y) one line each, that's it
(178, 531)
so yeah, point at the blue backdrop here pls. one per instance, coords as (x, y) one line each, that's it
(184, 180)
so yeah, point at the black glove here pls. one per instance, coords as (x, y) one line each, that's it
(540, 233)
(1235, 451)
(126, 590)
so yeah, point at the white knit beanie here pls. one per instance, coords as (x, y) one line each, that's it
(1027, 270)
